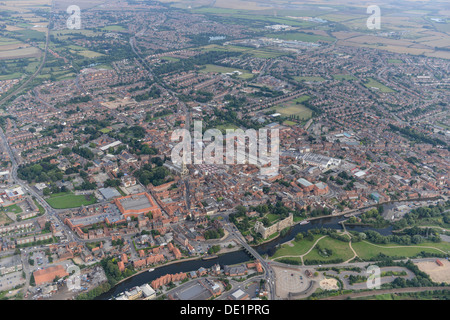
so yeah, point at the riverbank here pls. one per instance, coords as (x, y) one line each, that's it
(235, 255)
(222, 252)
(346, 212)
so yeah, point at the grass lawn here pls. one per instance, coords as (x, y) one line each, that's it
(343, 77)
(367, 251)
(13, 208)
(273, 236)
(298, 248)
(119, 189)
(340, 250)
(289, 123)
(218, 69)
(89, 54)
(70, 200)
(41, 208)
(272, 217)
(172, 59)
(105, 130)
(375, 84)
(294, 107)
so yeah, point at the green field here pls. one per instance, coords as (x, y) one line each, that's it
(252, 19)
(28, 34)
(13, 208)
(375, 84)
(294, 108)
(257, 53)
(289, 123)
(171, 59)
(11, 76)
(69, 200)
(105, 130)
(89, 54)
(41, 208)
(272, 217)
(299, 36)
(343, 77)
(67, 33)
(298, 248)
(340, 250)
(368, 251)
(218, 69)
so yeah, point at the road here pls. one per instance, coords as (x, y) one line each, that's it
(44, 58)
(384, 291)
(166, 91)
(269, 274)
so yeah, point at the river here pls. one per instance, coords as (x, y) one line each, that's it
(235, 257)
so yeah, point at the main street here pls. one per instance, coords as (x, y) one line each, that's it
(269, 274)
(48, 209)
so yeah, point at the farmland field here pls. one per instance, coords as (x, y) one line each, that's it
(20, 53)
(11, 76)
(258, 53)
(89, 54)
(300, 36)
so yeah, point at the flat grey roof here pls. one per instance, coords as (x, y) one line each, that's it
(195, 292)
(135, 203)
(109, 193)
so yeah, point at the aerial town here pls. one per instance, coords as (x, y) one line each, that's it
(95, 206)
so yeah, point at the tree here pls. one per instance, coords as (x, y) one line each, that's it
(241, 210)
(46, 191)
(299, 236)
